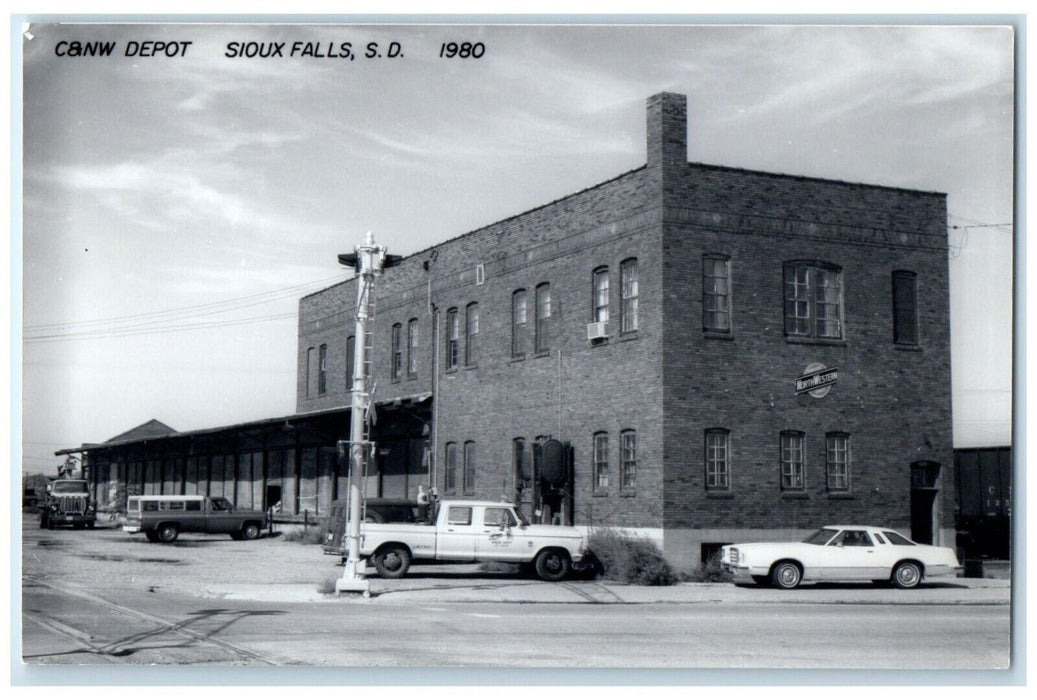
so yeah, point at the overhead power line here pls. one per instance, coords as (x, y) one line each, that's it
(171, 320)
(207, 309)
(151, 330)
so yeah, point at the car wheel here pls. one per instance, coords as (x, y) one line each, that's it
(786, 575)
(168, 533)
(907, 574)
(392, 562)
(553, 564)
(250, 531)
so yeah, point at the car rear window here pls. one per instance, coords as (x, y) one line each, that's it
(897, 538)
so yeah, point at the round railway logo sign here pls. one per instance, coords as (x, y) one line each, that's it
(817, 380)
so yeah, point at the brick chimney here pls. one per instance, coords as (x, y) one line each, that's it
(667, 130)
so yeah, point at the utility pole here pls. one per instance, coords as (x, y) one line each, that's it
(369, 260)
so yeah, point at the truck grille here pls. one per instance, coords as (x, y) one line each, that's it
(72, 504)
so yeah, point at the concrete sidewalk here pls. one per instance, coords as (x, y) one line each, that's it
(483, 588)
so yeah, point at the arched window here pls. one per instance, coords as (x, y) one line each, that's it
(397, 352)
(718, 459)
(600, 292)
(628, 282)
(542, 331)
(601, 460)
(452, 339)
(519, 313)
(450, 467)
(412, 348)
(471, 348)
(628, 459)
(322, 370)
(905, 308)
(813, 299)
(793, 460)
(837, 461)
(716, 293)
(469, 467)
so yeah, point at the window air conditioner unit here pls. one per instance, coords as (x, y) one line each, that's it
(597, 330)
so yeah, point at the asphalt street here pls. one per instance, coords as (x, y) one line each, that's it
(102, 598)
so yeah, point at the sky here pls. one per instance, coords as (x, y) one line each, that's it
(175, 208)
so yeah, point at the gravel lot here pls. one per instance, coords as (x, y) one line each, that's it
(190, 565)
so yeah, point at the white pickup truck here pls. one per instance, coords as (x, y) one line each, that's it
(469, 531)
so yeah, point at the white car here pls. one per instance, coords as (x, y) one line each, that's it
(840, 553)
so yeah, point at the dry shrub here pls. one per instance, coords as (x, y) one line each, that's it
(630, 559)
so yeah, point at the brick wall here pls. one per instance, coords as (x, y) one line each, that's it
(670, 381)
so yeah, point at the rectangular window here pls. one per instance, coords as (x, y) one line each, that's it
(793, 461)
(543, 318)
(459, 515)
(350, 360)
(716, 294)
(628, 459)
(518, 323)
(309, 372)
(813, 300)
(601, 460)
(397, 352)
(450, 471)
(452, 339)
(838, 461)
(629, 287)
(322, 372)
(905, 308)
(469, 467)
(718, 467)
(471, 348)
(412, 348)
(519, 463)
(601, 295)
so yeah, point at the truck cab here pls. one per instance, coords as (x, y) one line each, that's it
(473, 531)
(67, 502)
(163, 518)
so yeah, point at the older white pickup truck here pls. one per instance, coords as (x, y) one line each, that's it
(470, 531)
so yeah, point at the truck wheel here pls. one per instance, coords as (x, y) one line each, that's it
(553, 564)
(250, 531)
(392, 562)
(167, 533)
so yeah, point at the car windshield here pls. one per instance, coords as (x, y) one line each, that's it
(69, 487)
(821, 537)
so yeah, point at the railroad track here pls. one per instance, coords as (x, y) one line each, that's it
(114, 652)
(593, 593)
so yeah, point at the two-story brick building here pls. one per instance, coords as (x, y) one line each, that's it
(706, 354)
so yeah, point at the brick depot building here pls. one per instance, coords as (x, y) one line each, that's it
(704, 354)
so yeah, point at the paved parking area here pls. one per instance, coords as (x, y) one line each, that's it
(275, 569)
